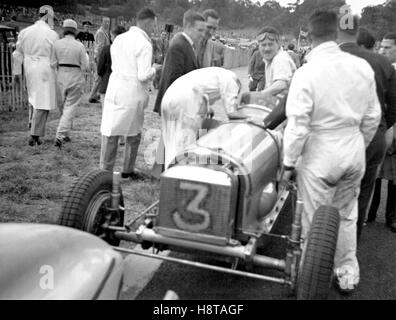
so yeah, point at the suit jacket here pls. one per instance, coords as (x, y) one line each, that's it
(210, 54)
(180, 60)
(385, 77)
(104, 69)
(257, 66)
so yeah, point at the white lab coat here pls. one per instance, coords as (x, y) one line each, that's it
(333, 114)
(184, 106)
(127, 93)
(34, 48)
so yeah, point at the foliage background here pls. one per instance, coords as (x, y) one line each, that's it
(236, 14)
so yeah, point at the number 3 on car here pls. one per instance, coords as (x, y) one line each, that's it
(193, 207)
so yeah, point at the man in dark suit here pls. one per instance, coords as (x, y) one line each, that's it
(180, 59)
(386, 89)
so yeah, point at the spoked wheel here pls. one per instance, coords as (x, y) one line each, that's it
(87, 206)
(316, 273)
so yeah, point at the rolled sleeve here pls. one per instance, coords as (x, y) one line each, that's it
(299, 109)
(282, 69)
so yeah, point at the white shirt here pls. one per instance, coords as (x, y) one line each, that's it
(280, 68)
(334, 91)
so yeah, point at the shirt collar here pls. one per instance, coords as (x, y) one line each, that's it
(42, 23)
(188, 39)
(326, 47)
(134, 28)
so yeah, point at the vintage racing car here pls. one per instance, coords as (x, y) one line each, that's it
(223, 196)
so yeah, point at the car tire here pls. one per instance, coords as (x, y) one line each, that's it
(316, 272)
(84, 206)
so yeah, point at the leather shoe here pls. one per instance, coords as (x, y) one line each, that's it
(35, 140)
(134, 176)
(32, 142)
(58, 143)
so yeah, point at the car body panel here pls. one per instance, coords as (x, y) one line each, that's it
(56, 263)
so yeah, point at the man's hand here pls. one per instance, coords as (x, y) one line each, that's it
(287, 174)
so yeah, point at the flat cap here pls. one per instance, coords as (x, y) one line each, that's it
(70, 23)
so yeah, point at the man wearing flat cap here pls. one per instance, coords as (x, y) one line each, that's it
(71, 60)
(34, 49)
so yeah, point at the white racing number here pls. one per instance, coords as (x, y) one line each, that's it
(194, 208)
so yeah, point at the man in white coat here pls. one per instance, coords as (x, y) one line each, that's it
(127, 94)
(186, 104)
(34, 49)
(333, 114)
(71, 60)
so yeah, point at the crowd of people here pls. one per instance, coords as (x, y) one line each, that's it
(340, 110)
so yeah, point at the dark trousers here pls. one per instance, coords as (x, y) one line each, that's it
(257, 85)
(109, 149)
(37, 121)
(375, 156)
(390, 202)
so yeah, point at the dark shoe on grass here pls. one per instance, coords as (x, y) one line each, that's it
(35, 140)
(134, 176)
(93, 100)
(32, 142)
(58, 143)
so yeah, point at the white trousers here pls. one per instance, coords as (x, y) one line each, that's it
(70, 86)
(330, 174)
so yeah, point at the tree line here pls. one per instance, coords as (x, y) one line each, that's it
(235, 14)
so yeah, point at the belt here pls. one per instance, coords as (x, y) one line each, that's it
(69, 65)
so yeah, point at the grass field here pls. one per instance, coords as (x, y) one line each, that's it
(34, 180)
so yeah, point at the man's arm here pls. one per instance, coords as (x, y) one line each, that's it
(145, 71)
(283, 69)
(372, 118)
(299, 108)
(277, 87)
(390, 114)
